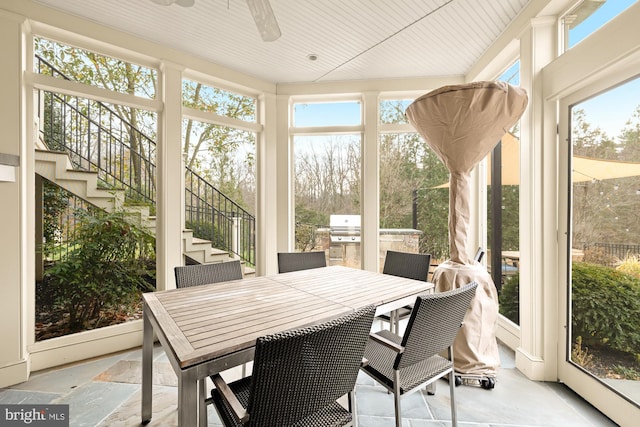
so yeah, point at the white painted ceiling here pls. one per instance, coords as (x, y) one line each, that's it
(353, 39)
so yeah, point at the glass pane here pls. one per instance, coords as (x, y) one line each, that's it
(504, 217)
(392, 111)
(327, 114)
(588, 16)
(605, 238)
(95, 240)
(220, 186)
(327, 187)
(413, 212)
(70, 63)
(221, 102)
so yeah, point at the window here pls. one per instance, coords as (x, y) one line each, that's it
(414, 198)
(220, 168)
(81, 65)
(503, 217)
(96, 250)
(317, 114)
(588, 16)
(217, 101)
(327, 175)
(605, 236)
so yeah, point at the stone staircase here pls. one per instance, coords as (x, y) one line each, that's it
(56, 167)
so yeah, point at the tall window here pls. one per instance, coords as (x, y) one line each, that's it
(503, 212)
(413, 192)
(605, 237)
(95, 240)
(220, 173)
(326, 145)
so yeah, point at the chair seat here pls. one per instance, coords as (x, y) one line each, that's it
(333, 415)
(381, 360)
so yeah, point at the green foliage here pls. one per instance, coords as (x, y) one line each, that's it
(112, 263)
(55, 202)
(408, 167)
(627, 373)
(605, 307)
(510, 299)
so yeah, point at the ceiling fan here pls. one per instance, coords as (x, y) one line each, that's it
(260, 10)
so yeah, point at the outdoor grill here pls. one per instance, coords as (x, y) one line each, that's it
(344, 234)
(344, 228)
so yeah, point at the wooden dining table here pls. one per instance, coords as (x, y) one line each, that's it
(207, 329)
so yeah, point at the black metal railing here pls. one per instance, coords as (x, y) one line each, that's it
(99, 139)
(611, 253)
(61, 209)
(215, 217)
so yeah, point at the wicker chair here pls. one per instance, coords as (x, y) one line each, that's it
(201, 274)
(294, 261)
(408, 265)
(403, 364)
(298, 375)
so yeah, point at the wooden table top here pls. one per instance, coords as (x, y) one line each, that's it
(202, 323)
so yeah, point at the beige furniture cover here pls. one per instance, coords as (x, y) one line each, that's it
(462, 124)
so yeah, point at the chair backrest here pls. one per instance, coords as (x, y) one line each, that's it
(434, 324)
(201, 274)
(298, 372)
(409, 265)
(294, 261)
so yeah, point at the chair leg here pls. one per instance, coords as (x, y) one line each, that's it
(353, 406)
(452, 387)
(431, 389)
(396, 397)
(392, 320)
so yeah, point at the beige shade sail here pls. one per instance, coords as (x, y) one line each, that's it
(584, 168)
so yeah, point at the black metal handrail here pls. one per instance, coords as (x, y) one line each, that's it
(215, 217)
(98, 139)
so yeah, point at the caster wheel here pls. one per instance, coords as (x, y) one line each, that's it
(458, 381)
(488, 383)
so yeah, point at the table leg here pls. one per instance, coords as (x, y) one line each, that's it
(202, 406)
(147, 367)
(188, 399)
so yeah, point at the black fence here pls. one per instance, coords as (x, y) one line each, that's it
(609, 253)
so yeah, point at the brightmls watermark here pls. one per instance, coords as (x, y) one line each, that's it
(34, 415)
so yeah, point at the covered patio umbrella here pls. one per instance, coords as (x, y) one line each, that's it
(462, 124)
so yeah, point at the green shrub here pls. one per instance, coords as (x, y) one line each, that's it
(510, 299)
(605, 307)
(113, 261)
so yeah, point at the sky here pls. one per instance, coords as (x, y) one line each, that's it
(609, 110)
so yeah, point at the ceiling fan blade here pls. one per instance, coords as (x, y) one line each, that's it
(265, 19)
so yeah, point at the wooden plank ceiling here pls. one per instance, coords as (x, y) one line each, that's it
(352, 39)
